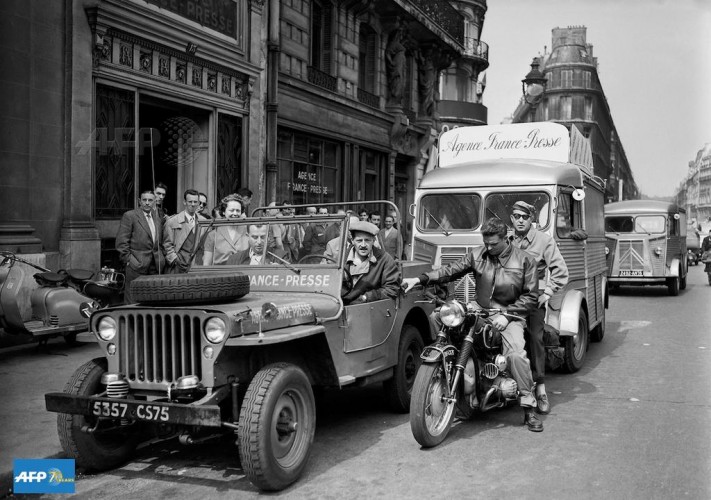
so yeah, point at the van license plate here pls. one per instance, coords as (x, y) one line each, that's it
(631, 273)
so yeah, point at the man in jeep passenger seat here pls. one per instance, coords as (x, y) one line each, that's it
(370, 273)
(505, 277)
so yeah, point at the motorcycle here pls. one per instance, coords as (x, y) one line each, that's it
(56, 303)
(462, 370)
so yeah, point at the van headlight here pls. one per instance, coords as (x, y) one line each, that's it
(658, 251)
(215, 330)
(107, 328)
(452, 314)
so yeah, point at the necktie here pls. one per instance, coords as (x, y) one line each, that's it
(191, 222)
(151, 225)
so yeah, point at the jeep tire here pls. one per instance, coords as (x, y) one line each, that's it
(100, 450)
(398, 389)
(277, 423)
(189, 288)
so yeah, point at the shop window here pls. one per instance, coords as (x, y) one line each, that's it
(229, 155)
(114, 182)
(309, 169)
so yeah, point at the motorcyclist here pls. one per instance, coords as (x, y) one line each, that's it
(505, 277)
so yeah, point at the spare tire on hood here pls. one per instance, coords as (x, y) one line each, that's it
(193, 288)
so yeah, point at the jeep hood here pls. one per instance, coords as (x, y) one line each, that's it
(270, 311)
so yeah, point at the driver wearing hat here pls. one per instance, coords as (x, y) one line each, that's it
(370, 273)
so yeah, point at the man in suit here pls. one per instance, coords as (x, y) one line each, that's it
(390, 237)
(138, 241)
(254, 255)
(180, 235)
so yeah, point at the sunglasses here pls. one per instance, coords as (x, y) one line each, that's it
(521, 216)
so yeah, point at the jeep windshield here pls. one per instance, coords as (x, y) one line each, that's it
(290, 242)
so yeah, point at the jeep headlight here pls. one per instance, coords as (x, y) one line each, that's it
(107, 328)
(215, 330)
(452, 314)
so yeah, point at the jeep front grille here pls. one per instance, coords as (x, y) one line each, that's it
(158, 347)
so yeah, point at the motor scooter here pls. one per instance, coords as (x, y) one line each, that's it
(52, 305)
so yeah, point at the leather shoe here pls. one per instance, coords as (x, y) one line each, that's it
(544, 407)
(531, 420)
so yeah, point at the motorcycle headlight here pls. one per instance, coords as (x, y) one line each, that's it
(107, 328)
(215, 330)
(452, 314)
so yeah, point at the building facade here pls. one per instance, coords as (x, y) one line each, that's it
(694, 192)
(307, 101)
(573, 96)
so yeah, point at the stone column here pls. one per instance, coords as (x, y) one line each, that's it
(79, 243)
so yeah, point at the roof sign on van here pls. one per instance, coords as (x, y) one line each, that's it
(535, 141)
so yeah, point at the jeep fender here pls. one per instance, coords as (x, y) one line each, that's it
(570, 312)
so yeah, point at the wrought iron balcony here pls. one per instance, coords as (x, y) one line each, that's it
(368, 99)
(444, 15)
(476, 48)
(324, 80)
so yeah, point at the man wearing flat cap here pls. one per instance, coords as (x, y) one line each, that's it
(544, 250)
(370, 273)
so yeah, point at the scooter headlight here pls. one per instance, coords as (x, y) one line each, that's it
(452, 314)
(215, 330)
(107, 328)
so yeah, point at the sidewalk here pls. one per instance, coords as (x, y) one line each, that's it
(27, 372)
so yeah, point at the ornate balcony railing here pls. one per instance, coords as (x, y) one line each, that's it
(324, 80)
(444, 15)
(476, 48)
(368, 99)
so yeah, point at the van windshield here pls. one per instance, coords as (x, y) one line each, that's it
(644, 224)
(449, 212)
(500, 205)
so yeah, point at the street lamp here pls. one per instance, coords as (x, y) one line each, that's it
(533, 87)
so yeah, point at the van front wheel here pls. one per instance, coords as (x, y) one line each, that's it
(673, 286)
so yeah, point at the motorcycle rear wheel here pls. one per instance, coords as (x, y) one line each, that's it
(430, 415)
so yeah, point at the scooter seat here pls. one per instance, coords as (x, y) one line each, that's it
(79, 274)
(50, 278)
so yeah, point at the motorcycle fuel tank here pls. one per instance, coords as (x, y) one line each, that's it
(57, 306)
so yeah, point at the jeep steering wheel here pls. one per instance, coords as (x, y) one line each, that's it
(316, 256)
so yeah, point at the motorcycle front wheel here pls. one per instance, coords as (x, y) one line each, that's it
(431, 415)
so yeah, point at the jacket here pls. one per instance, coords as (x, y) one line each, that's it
(135, 243)
(545, 252)
(391, 242)
(175, 232)
(382, 280)
(507, 281)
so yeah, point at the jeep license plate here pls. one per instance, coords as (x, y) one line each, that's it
(141, 411)
(631, 273)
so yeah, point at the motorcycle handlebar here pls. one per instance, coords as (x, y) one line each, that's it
(513, 312)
